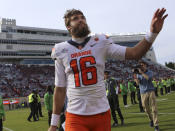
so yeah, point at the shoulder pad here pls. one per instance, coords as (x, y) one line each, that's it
(56, 50)
(104, 37)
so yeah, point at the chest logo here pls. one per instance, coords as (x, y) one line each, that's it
(64, 50)
(93, 45)
(96, 39)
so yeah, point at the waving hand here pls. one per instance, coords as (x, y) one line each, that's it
(158, 20)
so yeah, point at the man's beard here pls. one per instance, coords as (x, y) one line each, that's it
(80, 30)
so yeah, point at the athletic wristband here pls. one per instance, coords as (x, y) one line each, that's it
(150, 37)
(55, 119)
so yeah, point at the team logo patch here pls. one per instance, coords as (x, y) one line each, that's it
(96, 39)
(64, 50)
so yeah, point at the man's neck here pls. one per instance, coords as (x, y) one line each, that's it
(79, 40)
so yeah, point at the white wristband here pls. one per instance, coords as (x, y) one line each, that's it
(150, 37)
(55, 119)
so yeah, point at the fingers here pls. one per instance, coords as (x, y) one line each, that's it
(164, 17)
(156, 13)
(159, 14)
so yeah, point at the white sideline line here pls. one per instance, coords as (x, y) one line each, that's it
(167, 113)
(8, 129)
(162, 99)
(158, 113)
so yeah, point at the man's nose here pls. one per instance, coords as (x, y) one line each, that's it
(80, 19)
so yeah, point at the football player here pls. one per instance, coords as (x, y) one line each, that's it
(79, 71)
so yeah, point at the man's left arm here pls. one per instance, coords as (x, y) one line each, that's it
(144, 45)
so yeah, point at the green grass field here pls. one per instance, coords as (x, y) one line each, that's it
(16, 120)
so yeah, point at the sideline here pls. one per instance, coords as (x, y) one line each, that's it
(8, 129)
(158, 113)
(165, 99)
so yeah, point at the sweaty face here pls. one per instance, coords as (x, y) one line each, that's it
(78, 26)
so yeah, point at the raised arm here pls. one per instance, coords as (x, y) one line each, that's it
(144, 45)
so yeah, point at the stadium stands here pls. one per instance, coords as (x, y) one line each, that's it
(20, 80)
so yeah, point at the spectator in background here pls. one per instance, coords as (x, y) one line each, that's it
(155, 86)
(39, 107)
(168, 85)
(136, 84)
(132, 90)
(32, 103)
(172, 83)
(48, 101)
(117, 106)
(160, 85)
(164, 85)
(124, 92)
(2, 113)
(147, 90)
(110, 85)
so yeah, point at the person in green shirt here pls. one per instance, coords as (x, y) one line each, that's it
(132, 90)
(155, 86)
(160, 85)
(124, 92)
(164, 85)
(172, 84)
(2, 113)
(48, 101)
(168, 82)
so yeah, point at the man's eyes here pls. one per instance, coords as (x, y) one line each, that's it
(75, 18)
(82, 17)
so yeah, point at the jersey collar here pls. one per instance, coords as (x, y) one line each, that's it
(77, 45)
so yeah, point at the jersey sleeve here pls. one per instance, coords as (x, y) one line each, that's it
(114, 50)
(60, 76)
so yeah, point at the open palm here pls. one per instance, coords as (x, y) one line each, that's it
(158, 20)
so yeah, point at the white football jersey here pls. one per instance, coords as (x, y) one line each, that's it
(80, 68)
